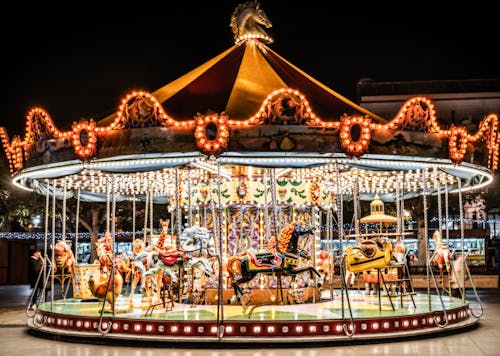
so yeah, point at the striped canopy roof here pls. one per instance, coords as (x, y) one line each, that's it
(237, 82)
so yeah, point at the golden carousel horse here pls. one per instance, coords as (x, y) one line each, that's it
(108, 288)
(325, 264)
(104, 249)
(110, 283)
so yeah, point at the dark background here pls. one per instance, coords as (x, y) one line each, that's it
(78, 59)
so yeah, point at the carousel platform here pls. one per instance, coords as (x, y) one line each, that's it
(350, 317)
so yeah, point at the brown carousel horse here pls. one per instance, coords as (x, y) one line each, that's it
(110, 283)
(64, 259)
(137, 248)
(63, 265)
(109, 287)
(104, 249)
(125, 264)
(282, 261)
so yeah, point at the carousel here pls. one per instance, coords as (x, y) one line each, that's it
(255, 164)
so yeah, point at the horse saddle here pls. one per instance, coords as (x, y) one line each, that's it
(263, 259)
(368, 254)
(171, 257)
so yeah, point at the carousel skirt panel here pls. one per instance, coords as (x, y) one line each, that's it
(369, 317)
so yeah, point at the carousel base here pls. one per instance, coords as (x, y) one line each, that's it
(372, 317)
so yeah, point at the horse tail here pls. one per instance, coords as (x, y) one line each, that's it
(229, 266)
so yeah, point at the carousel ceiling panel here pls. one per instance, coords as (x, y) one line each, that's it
(248, 93)
(52, 170)
(143, 163)
(209, 91)
(238, 81)
(325, 102)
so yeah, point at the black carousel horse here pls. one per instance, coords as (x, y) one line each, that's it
(280, 259)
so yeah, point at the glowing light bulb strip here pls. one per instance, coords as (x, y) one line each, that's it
(419, 109)
(95, 177)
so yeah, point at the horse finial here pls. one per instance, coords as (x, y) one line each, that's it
(248, 21)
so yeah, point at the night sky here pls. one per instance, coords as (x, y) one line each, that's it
(78, 61)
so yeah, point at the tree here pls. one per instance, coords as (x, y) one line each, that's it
(492, 194)
(17, 206)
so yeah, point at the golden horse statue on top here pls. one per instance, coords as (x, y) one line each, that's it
(248, 21)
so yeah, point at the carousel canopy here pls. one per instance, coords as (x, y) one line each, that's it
(237, 82)
(239, 114)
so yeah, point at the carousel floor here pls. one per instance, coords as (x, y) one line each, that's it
(362, 306)
(329, 320)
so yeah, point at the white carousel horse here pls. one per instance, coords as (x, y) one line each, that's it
(195, 249)
(458, 276)
(144, 256)
(441, 256)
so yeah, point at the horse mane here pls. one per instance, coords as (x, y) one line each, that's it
(236, 13)
(239, 28)
(190, 231)
(285, 236)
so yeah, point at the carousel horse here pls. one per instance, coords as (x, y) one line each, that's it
(195, 249)
(104, 249)
(325, 266)
(369, 254)
(103, 290)
(143, 258)
(64, 259)
(441, 255)
(137, 248)
(283, 260)
(125, 266)
(64, 265)
(248, 19)
(458, 276)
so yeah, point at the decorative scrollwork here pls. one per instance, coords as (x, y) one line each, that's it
(84, 139)
(212, 133)
(417, 117)
(285, 109)
(315, 190)
(39, 126)
(140, 111)
(16, 153)
(355, 146)
(457, 143)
